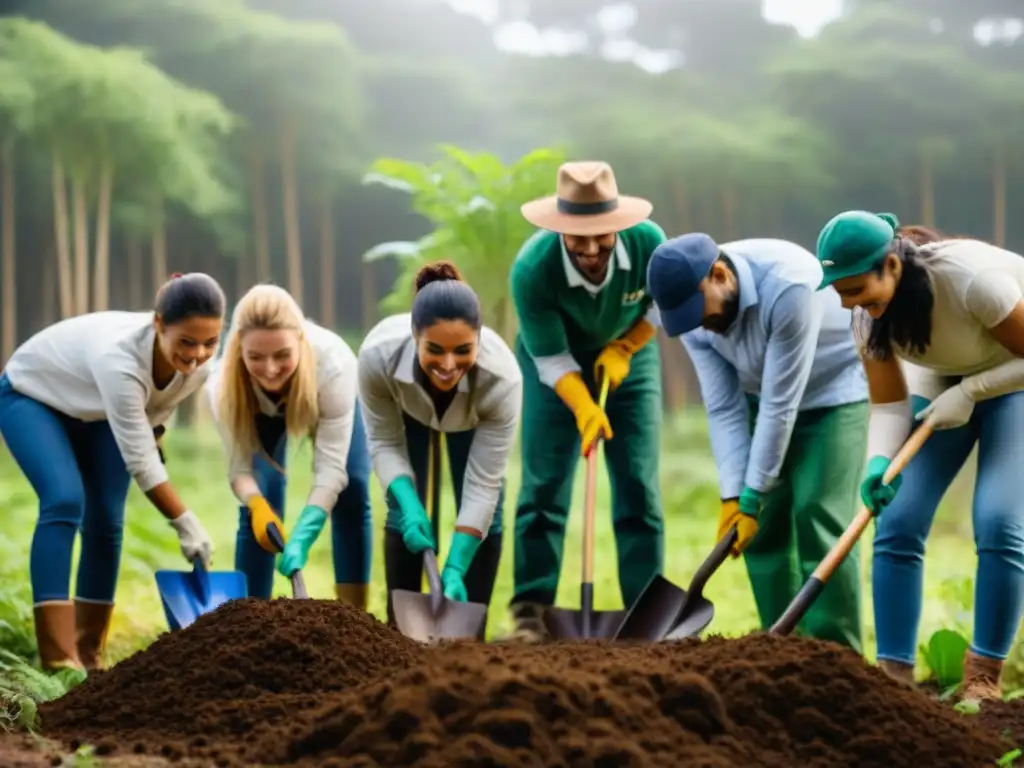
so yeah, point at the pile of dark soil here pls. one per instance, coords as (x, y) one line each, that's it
(315, 683)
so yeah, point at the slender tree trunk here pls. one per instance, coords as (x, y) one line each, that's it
(370, 297)
(290, 201)
(159, 255)
(999, 196)
(101, 265)
(260, 224)
(327, 256)
(81, 214)
(927, 190)
(48, 301)
(730, 214)
(10, 314)
(133, 256)
(62, 239)
(242, 275)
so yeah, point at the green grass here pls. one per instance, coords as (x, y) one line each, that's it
(690, 499)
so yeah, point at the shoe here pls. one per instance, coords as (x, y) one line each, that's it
(529, 626)
(93, 624)
(981, 678)
(899, 671)
(354, 594)
(55, 635)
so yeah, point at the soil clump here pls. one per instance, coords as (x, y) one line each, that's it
(317, 683)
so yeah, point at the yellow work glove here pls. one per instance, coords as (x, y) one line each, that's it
(613, 361)
(746, 526)
(590, 419)
(261, 517)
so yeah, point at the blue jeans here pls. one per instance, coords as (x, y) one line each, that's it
(77, 472)
(998, 517)
(351, 518)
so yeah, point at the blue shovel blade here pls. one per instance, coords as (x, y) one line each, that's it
(188, 595)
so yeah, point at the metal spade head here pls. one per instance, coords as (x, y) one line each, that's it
(696, 615)
(417, 619)
(568, 624)
(654, 613)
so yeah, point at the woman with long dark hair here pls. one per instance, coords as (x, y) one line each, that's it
(954, 310)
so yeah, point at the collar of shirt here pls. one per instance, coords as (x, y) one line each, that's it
(576, 280)
(406, 371)
(748, 289)
(267, 406)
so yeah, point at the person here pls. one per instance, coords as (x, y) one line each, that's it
(580, 294)
(436, 369)
(954, 310)
(787, 408)
(79, 402)
(284, 377)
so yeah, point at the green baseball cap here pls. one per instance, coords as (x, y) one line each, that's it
(852, 243)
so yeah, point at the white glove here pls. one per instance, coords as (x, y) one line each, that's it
(951, 409)
(195, 541)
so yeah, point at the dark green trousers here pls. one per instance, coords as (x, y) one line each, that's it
(550, 446)
(804, 515)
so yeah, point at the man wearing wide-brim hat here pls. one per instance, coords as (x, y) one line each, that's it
(580, 292)
(787, 406)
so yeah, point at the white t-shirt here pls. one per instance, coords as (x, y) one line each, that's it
(100, 366)
(336, 402)
(975, 286)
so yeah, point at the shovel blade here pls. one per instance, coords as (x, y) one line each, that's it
(695, 616)
(186, 595)
(567, 624)
(655, 612)
(415, 617)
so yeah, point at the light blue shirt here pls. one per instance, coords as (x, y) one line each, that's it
(791, 346)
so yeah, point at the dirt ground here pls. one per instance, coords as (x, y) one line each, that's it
(316, 683)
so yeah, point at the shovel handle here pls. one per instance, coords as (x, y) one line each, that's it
(814, 586)
(590, 499)
(433, 579)
(299, 586)
(714, 561)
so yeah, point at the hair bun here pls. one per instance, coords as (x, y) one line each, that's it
(436, 272)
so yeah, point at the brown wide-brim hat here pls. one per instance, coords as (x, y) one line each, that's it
(587, 202)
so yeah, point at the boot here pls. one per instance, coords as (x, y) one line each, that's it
(55, 635)
(353, 594)
(529, 623)
(981, 678)
(93, 622)
(898, 670)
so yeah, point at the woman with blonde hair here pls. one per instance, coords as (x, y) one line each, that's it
(283, 376)
(439, 369)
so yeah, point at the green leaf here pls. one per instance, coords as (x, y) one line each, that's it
(945, 656)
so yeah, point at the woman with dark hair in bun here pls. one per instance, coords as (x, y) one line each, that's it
(81, 404)
(439, 369)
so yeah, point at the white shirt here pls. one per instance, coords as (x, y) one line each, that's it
(488, 399)
(99, 366)
(336, 401)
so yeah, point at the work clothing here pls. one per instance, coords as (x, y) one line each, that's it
(78, 410)
(566, 324)
(786, 399)
(480, 424)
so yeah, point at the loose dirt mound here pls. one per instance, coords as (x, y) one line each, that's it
(314, 683)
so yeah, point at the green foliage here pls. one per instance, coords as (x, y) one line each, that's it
(473, 202)
(944, 656)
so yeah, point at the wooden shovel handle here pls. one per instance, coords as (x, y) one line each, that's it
(590, 498)
(810, 591)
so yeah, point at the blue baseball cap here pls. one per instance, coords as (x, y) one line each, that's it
(674, 274)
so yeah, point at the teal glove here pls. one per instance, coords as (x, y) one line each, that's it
(417, 534)
(750, 502)
(873, 492)
(305, 532)
(460, 556)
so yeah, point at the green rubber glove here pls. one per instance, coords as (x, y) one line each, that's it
(417, 534)
(873, 492)
(750, 502)
(305, 532)
(460, 556)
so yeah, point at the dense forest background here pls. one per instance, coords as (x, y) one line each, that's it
(331, 145)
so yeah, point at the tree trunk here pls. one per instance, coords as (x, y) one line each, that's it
(133, 255)
(290, 201)
(260, 225)
(927, 190)
(48, 314)
(327, 256)
(10, 314)
(159, 255)
(369, 290)
(101, 265)
(999, 196)
(730, 214)
(242, 272)
(81, 214)
(62, 238)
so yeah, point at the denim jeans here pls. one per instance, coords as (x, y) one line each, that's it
(998, 516)
(77, 472)
(351, 518)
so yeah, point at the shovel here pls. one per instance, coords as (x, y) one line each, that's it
(187, 596)
(568, 624)
(810, 591)
(298, 583)
(432, 616)
(666, 612)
